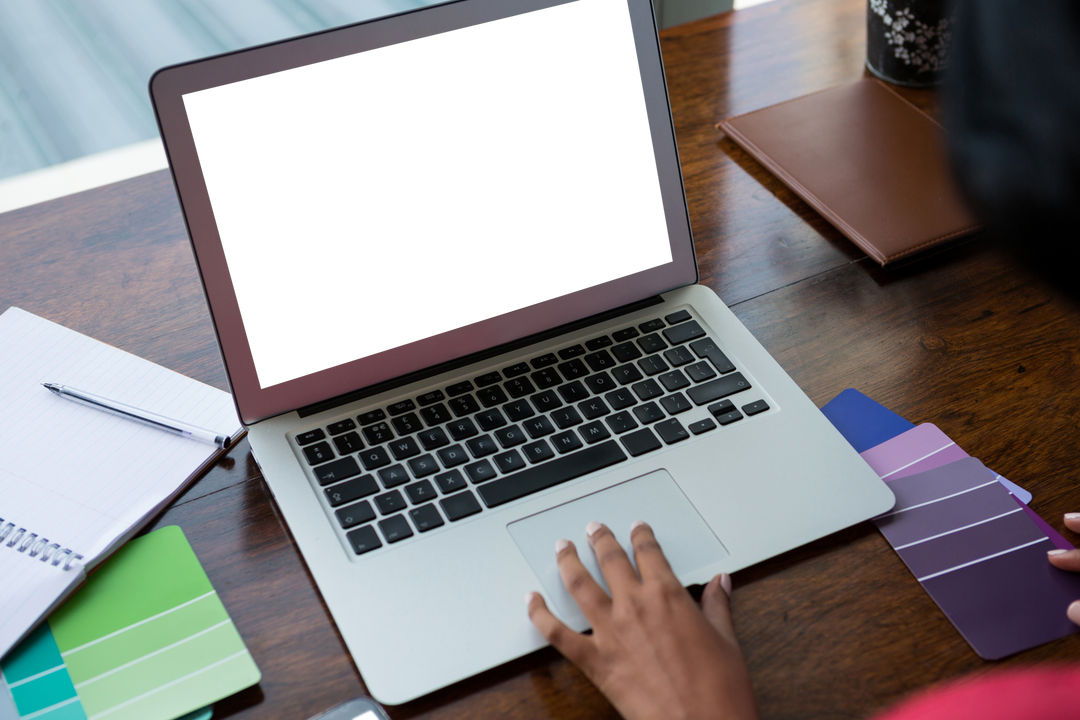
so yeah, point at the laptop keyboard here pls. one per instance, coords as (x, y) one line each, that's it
(415, 465)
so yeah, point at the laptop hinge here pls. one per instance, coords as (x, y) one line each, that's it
(475, 357)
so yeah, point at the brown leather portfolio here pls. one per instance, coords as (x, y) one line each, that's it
(869, 161)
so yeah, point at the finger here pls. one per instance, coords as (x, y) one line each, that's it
(589, 596)
(1074, 612)
(1065, 559)
(716, 606)
(651, 563)
(575, 646)
(1072, 521)
(614, 564)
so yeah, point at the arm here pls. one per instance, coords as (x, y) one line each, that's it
(653, 652)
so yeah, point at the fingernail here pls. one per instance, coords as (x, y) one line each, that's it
(591, 528)
(725, 583)
(1074, 612)
(636, 524)
(1056, 552)
(529, 598)
(561, 544)
(1072, 516)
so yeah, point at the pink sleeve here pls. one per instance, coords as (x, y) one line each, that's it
(1048, 693)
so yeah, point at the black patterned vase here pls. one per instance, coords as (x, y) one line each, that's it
(907, 41)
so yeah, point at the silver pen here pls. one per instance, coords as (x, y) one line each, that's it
(133, 413)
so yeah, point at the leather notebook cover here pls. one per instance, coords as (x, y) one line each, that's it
(869, 161)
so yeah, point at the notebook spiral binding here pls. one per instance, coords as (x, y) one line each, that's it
(36, 547)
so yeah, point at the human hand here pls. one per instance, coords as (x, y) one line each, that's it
(1069, 560)
(653, 653)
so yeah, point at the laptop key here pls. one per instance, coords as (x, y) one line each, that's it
(318, 453)
(546, 401)
(433, 438)
(627, 374)
(374, 458)
(514, 370)
(594, 432)
(596, 343)
(401, 407)
(491, 396)
(675, 404)
(341, 426)
(718, 388)
(574, 369)
(674, 380)
(348, 443)
(451, 481)
(677, 317)
(566, 417)
(364, 540)
(706, 348)
(600, 383)
(571, 352)
(558, 471)
(651, 343)
(511, 436)
(566, 442)
(490, 419)
(459, 388)
(621, 398)
(356, 514)
(624, 335)
(538, 427)
(593, 408)
(509, 461)
(430, 398)
(702, 426)
(519, 387)
(378, 433)
(651, 325)
(758, 406)
(393, 476)
(351, 490)
(461, 429)
(371, 417)
(453, 456)
(641, 442)
(390, 502)
(482, 446)
(306, 438)
(480, 472)
(684, 333)
(648, 413)
(464, 405)
(647, 390)
(538, 451)
(671, 431)
(679, 356)
(337, 471)
(544, 361)
(395, 529)
(725, 412)
(700, 372)
(436, 414)
(573, 392)
(653, 365)
(423, 466)
(601, 360)
(626, 352)
(404, 448)
(426, 517)
(488, 379)
(546, 378)
(407, 424)
(621, 422)
(460, 505)
(420, 492)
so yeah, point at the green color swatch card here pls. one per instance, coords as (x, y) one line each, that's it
(146, 638)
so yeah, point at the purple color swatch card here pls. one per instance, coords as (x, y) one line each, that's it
(980, 557)
(925, 447)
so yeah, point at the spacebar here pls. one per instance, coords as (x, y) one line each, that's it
(550, 474)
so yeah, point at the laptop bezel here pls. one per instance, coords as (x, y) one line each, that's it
(255, 403)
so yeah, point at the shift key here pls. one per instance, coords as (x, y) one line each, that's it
(718, 388)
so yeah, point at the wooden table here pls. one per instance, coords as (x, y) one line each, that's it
(838, 628)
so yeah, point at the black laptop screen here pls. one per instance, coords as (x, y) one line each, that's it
(378, 199)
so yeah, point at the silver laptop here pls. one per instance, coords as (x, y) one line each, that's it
(449, 262)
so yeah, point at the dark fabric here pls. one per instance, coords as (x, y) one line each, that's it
(1011, 102)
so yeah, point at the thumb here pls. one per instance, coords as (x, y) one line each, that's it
(716, 606)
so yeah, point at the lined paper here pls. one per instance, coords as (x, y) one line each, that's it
(77, 476)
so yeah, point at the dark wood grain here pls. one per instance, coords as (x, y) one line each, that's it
(838, 628)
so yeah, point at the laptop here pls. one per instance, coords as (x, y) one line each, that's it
(450, 267)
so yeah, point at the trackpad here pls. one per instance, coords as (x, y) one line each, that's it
(687, 541)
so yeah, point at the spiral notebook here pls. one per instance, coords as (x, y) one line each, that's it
(76, 482)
